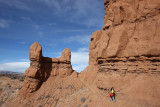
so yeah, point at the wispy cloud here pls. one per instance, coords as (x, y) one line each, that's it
(24, 60)
(79, 60)
(36, 27)
(53, 4)
(23, 42)
(86, 12)
(73, 30)
(31, 22)
(14, 66)
(80, 39)
(4, 23)
(83, 49)
(52, 24)
(58, 7)
(91, 21)
(16, 4)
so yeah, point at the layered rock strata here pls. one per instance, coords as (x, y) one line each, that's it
(41, 68)
(138, 65)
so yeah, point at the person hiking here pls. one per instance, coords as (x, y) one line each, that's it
(112, 94)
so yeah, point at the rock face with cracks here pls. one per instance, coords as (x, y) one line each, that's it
(129, 43)
(130, 34)
(131, 28)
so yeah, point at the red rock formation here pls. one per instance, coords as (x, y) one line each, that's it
(130, 34)
(41, 68)
(126, 53)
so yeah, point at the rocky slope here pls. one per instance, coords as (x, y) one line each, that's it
(8, 89)
(124, 55)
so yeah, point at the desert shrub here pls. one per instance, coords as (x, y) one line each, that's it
(47, 96)
(13, 77)
(59, 88)
(86, 105)
(39, 98)
(21, 79)
(1, 103)
(56, 99)
(90, 101)
(47, 102)
(83, 99)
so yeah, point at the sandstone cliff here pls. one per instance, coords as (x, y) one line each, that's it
(126, 53)
(130, 37)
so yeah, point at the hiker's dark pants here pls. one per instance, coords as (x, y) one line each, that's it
(112, 98)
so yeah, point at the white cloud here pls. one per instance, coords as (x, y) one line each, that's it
(81, 39)
(23, 42)
(16, 4)
(31, 22)
(4, 23)
(92, 21)
(24, 60)
(52, 24)
(84, 49)
(14, 66)
(74, 30)
(86, 12)
(80, 59)
(79, 67)
(53, 4)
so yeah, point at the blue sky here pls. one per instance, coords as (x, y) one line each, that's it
(55, 24)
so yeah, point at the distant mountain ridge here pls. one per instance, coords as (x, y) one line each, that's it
(13, 75)
(10, 72)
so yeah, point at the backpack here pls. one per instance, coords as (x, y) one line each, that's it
(110, 94)
(112, 91)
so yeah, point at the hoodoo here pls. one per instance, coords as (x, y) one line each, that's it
(42, 67)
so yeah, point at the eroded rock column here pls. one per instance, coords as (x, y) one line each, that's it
(34, 73)
(41, 68)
